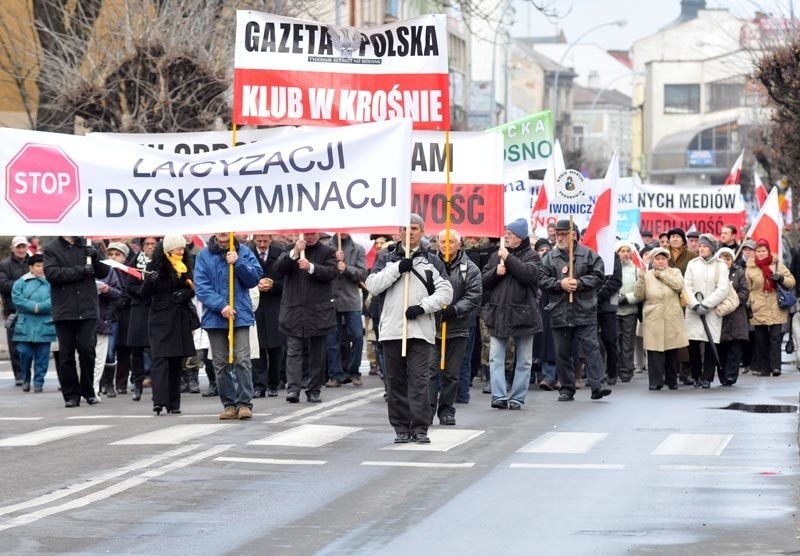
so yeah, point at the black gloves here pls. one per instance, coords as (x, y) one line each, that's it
(151, 276)
(88, 270)
(90, 252)
(623, 300)
(405, 265)
(182, 295)
(414, 311)
(700, 309)
(448, 313)
(777, 278)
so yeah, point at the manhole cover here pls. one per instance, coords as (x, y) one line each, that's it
(761, 408)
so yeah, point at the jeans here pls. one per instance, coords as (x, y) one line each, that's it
(350, 323)
(549, 372)
(234, 382)
(37, 353)
(522, 370)
(465, 374)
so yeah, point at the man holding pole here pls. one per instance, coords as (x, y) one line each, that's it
(574, 320)
(428, 291)
(212, 274)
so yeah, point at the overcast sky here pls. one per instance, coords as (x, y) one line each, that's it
(644, 17)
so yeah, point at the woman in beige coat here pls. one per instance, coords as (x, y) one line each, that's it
(662, 319)
(764, 272)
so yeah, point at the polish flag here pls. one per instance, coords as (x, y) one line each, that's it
(761, 190)
(635, 237)
(547, 191)
(601, 233)
(769, 224)
(735, 176)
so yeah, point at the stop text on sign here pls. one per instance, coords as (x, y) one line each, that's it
(44, 182)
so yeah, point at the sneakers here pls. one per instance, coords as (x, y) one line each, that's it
(26, 387)
(420, 438)
(245, 412)
(357, 381)
(500, 403)
(514, 404)
(601, 392)
(566, 397)
(212, 391)
(333, 383)
(230, 413)
(448, 420)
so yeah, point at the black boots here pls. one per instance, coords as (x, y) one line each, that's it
(137, 392)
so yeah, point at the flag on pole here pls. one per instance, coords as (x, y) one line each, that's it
(124, 268)
(769, 224)
(635, 238)
(735, 175)
(601, 233)
(547, 192)
(761, 189)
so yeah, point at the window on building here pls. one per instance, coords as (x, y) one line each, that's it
(681, 99)
(392, 9)
(725, 94)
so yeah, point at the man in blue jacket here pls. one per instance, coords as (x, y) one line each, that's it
(211, 274)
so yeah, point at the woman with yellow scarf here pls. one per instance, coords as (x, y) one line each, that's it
(168, 283)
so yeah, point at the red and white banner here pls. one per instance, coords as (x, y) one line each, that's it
(708, 207)
(57, 184)
(601, 233)
(298, 72)
(768, 224)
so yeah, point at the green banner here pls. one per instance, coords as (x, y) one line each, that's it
(528, 141)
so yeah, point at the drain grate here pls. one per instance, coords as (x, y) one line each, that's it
(761, 408)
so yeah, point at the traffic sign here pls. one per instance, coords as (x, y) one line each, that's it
(42, 183)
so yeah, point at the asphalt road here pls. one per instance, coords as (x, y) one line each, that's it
(639, 473)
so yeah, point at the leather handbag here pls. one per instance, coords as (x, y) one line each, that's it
(786, 298)
(729, 304)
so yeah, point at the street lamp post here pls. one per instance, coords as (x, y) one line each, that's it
(617, 23)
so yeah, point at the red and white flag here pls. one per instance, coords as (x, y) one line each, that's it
(761, 189)
(769, 224)
(547, 191)
(635, 238)
(601, 233)
(735, 175)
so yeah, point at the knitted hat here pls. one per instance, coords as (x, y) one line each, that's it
(726, 251)
(37, 258)
(518, 227)
(677, 231)
(119, 246)
(171, 242)
(543, 242)
(620, 244)
(709, 241)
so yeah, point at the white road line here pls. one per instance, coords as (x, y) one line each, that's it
(50, 434)
(417, 464)
(720, 469)
(340, 408)
(116, 488)
(88, 417)
(306, 436)
(585, 466)
(324, 405)
(170, 435)
(94, 481)
(273, 461)
(442, 440)
(563, 443)
(693, 445)
(216, 415)
(20, 418)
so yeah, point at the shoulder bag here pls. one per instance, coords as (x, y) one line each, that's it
(730, 303)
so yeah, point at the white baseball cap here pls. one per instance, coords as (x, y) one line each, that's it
(19, 240)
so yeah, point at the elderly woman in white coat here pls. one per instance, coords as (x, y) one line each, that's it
(707, 276)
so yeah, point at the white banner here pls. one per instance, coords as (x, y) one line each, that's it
(58, 184)
(294, 72)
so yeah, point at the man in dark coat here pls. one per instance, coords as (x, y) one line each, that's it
(576, 319)
(12, 268)
(607, 303)
(510, 279)
(71, 266)
(271, 365)
(465, 277)
(308, 312)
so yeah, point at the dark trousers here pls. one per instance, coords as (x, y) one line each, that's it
(80, 336)
(564, 339)
(767, 345)
(443, 386)
(465, 374)
(267, 369)
(626, 326)
(407, 385)
(13, 354)
(662, 367)
(701, 360)
(317, 346)
(166, 376)
(607, 326)
(730, 355)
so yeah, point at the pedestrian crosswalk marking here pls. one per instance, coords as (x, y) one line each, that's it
(433, 465)
(563, 443)
(442, 440)
(324, 405)
(273, 461)
(579, 466)
(50, 434)
(306, 436)
(170, 435)
(341, 408)
(693, 445)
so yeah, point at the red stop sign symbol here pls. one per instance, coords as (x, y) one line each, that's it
(42, 183)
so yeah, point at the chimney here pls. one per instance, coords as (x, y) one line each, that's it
(689, 9)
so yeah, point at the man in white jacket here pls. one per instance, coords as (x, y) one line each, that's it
(407, 377)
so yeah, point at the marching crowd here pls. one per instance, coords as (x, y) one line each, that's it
(435, 315)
